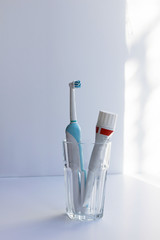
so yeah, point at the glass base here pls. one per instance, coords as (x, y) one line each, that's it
(84, 217)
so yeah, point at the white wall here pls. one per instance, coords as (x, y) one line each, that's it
(45, 44)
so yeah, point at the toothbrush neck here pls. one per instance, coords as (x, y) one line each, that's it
(73, 115)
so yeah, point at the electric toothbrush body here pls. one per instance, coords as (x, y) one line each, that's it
(73, 137)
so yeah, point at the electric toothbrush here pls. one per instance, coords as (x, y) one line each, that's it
(73, 137)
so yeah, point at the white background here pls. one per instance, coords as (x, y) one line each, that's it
(43, 46)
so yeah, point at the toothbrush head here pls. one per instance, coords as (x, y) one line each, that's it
(75, 84)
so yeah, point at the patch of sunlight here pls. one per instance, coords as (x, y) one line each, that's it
(151, 121)
(151, 143)
(153, 56)
(149, 179)
(140, 15)
(132, 111)
(142, 89)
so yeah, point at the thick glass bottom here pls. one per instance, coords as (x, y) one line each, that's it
(84, 217)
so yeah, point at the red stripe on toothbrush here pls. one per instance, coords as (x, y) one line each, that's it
(97, 128)
(106, 132)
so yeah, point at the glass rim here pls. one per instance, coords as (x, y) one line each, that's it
(88, 142)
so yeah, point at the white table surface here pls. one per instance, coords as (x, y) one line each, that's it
(34, 208)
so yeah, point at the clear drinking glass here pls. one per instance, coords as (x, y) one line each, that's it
(76, 182)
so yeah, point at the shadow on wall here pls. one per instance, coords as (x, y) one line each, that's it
(142, 93)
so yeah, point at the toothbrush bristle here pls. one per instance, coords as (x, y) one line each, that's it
(77, 84)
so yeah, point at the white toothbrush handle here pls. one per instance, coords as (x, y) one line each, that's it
(76, 190)
(78, 175)
(73, 115)
(73, 152)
